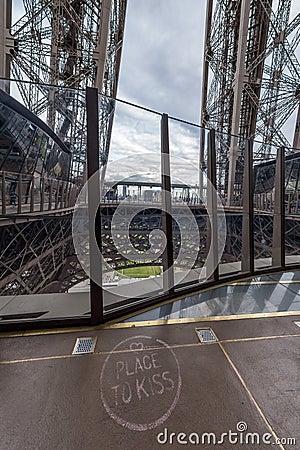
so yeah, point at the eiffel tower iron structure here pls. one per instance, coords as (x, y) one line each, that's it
(251, 82)
(60, 47)
(50, 55)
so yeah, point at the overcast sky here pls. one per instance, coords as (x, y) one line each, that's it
(162, 56)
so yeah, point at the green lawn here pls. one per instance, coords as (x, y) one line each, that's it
(140, 272)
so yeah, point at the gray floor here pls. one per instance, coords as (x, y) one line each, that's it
(142, 384)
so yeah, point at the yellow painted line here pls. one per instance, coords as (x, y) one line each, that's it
(174, 346)
(260, 338)
(148, 323)
(250, 395)
(151, 323)
(243, 283)
(49, 331)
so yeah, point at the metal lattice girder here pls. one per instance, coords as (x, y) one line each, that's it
(38, 256)
(69, 44)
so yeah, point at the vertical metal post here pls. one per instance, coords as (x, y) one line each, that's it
(65, 194)
(201, 163)
(19, 209)
(296, 140)
(278, 241)
(42, 181)
(57, 194)
(32, 194)
(248, 212)
(167, 257)
(62, 195)
(50, 194)
(238, 86)
(205, 73)
(96, 291)
(6, 42)
(212, 225)
(69, 194)
(3, 194)
(100, 51)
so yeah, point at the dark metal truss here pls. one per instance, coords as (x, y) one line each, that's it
(251, 79)
(39, 257)
(58, 43)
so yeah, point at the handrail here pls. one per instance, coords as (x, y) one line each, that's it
(23, 193)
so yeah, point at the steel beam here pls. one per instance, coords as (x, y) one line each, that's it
(206, 56)
(167, 256)
(296, 140)
(248, 214)
(6, 41)
(278, 241)
(96, 290)
(68, 45)
(238, 87)
(205, 72)
(212, 225)
(100, 54)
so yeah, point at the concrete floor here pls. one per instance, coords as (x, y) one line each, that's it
(143, 383)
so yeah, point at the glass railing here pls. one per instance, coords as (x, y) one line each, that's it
(43, 136)
(292, 210)
(168, 208)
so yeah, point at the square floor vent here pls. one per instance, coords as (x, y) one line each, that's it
(206, 335)
(84, 345)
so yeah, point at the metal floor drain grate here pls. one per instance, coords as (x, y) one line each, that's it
(84, 345)
(206, 335)
(297, 323)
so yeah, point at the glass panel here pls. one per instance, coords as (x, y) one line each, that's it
(42, 167)
(188, 186)
(231, 258)
(230, 185)
(264, 198)
(131, 203)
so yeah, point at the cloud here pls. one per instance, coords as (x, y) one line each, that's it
(161, 69)
(137, 132)
(162, 56)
